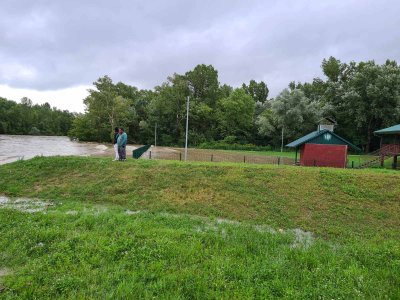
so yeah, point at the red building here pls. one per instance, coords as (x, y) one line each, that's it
(323, 148)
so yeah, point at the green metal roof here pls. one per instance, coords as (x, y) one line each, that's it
(314, 135)
(390, 130)
(305, 139)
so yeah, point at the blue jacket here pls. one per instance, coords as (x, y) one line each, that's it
(122, 139)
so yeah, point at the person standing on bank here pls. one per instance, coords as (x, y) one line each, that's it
(116, 135)
(121, 141)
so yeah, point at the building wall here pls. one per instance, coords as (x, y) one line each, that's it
(323, 155)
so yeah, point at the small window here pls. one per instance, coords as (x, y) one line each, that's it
(327, 136)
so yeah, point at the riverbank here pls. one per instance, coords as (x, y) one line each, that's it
(147, 229)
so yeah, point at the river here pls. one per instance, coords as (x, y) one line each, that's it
(15, 147)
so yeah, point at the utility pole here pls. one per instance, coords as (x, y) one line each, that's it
(187, 126)
(155, 136)
(282, 140)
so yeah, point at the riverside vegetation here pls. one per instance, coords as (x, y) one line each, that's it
(361, 96)
(89, 228)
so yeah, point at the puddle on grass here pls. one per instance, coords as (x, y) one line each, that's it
(133, 212)
(301, 239)
(29, 205)
(4, 272)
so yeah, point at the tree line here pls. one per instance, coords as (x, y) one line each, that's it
(362, 97)
(26, 118)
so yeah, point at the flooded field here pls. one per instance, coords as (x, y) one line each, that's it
(16, 147)
(214, 156)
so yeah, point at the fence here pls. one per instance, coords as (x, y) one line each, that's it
(216, 156)
(165, 153)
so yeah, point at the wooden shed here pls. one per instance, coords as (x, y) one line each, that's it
(390, 143)
(322, 148)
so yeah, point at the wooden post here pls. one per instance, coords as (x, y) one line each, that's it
(244, 159)
(211, 157)
(295, 159)
(150, 155)
(394, 161)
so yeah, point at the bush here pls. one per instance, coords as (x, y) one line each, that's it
(34, 131)
(222, 145)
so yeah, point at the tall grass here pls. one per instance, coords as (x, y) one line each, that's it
(170, 230)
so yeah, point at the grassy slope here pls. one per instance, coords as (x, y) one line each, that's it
(101, 251)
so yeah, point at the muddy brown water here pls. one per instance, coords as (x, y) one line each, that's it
(15, 147)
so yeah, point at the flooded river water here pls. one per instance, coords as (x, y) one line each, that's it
(15, 147)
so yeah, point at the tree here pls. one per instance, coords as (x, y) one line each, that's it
(292, 113)
(365, 99)
(203, 83)
(235, 114)
(26, 101)
(25, 118)
(258, 91)
(107, 108)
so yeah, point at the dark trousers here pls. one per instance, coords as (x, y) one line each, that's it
(122, 153)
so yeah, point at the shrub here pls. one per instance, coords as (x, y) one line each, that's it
(222, 145)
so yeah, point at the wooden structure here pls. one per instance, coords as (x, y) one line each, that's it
(323, 147)
(390, 144)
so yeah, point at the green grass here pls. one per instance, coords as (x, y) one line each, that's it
(265, 153)
(174, 243)
(352, 159)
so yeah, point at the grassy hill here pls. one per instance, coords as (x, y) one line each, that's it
(92, 228)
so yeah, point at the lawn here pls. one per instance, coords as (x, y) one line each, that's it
(353, 160)
(290, 154)
(92, 228)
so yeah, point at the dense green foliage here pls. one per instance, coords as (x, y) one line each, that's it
(362, 97)
(215, 110)
(25, 118)
(156, 229)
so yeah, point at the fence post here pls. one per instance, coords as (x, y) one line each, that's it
(244, 158)
(180, 156)
(150, 155)
(315, 163)
(211, 157)
(279, 160)
(352, 164)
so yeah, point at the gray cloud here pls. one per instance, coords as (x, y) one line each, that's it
(47, 45)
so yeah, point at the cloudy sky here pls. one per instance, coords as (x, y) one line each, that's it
(53, 50)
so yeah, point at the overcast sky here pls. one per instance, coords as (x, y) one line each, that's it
(53, 50)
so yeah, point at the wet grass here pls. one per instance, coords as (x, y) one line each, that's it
(145, 229)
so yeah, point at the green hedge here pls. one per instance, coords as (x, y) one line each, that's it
(235, 146)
